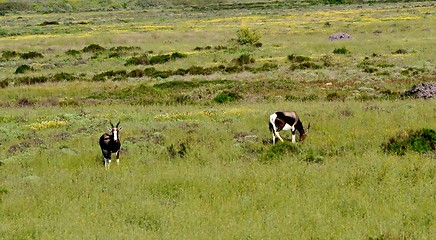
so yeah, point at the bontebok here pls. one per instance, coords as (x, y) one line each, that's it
(279, 121)
(110, 143)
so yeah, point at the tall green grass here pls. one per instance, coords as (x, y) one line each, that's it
(226, 184)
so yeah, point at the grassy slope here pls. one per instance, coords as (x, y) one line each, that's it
(209, 171)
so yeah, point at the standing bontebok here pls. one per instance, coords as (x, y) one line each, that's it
(110, 143)
(289, 120)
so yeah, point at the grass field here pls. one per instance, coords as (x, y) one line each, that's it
(197, 160)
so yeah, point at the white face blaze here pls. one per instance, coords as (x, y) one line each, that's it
(115, 133)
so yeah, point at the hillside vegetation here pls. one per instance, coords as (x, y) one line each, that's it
(193, 89)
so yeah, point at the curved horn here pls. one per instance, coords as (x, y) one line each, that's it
(308, 126)
(118, 123)
(111, 124)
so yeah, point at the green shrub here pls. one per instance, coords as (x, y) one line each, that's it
(246, 36)
(400, 51)
(244, 59)
(178, 55)
(305, 65)
(31, 55)
(23, 68)
(62, 76)
(341, 50)
(93, 48)
(421, 141)
(334, 96)
(72, 52)
(369, 69)
(298, 58)
(159, 59)
(141, 60)
(277, 151)
(136, 73)
(265, 68)
(10, 54)
(226, 97)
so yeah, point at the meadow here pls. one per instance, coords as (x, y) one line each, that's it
(193, 98)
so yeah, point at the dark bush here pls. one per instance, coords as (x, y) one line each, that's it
(162, 74)
(31, 55)
(32, 80)
(244, 59)
(227, 96)
(341, 50)
(400, 51)
(141, 60)
(310, 97)
(177, 85)
(46, 23)
(298, 58)
(109, 75)
(159, 59)
(178, 55)
(123, 48)
(4, 83)
(305, 65)
(72, 52)
(62, 76)
(149, 71)
(93, 48)
(23, 68)
(10, 54)
(369, 69)
(421, 141)
(265, 68)
(136, 73)
(334, 96)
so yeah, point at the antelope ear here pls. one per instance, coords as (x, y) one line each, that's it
(109, 129)
(119, 128)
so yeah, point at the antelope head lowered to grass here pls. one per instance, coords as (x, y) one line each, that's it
(110, 143)
(289, 120)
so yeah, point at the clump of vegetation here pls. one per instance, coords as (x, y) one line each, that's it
(400, 51)
(46, 23)
(114, 75)
(226, 97)
(334, 96)
(62, 76)
(305, 65)
(10, 54)
(93, 48)
(298, 58)
(141, 60)
(421, 141)
(277, 151)
(31, 55)
(246, 36)
(244, 59)
(72, 52)
(342, 50)
(23, 68)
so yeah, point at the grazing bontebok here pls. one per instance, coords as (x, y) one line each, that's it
(110, 143)
(279, 121)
